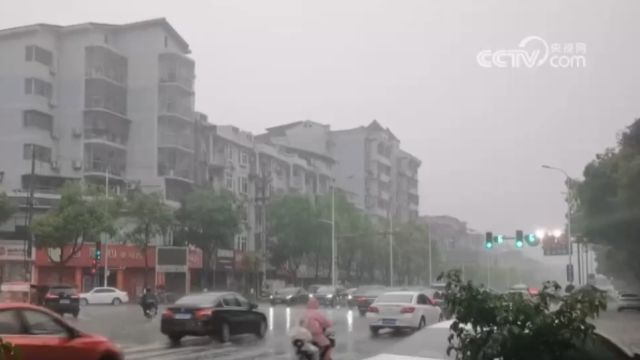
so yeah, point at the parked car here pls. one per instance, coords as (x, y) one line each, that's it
(289, 296)
(359, 292)
(431, 344)
(62, 299)
(363, 301)
(629, 302)
(402, 310)
(104, 295)
(312, 289)
(41, 334)
(215, 314)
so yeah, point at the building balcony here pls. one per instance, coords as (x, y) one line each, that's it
(104, 137)
(102, 74)
(182, 83)
(174, 111)
(297, 182)
(384, 177)
(177, 175)
(96, 168)
(181, 143)
(102, 105)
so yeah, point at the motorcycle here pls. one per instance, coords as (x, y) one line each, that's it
(305, 349)
(151, 310)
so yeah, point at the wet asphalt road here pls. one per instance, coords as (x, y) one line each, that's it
(140, 338)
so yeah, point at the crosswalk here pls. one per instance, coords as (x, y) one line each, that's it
(202, 352)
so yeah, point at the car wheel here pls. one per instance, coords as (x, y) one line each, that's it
(262, 329)
(374, 330)
(225, 333)
(75, 314)
(175, 339)
(422, 323)
(84, 302)
(116, 301)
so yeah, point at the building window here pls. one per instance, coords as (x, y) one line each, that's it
(229, 182)
(229, 151)
(244, 158)
(38, 54)
(43, 153)
(38, 87)
(244, 185)
(37, 119)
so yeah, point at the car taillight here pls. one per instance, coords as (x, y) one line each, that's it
(373, 309)
(167, 314)
(407, 310)
(203, 314)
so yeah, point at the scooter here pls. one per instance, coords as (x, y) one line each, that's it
(151, 311)
(305, 349)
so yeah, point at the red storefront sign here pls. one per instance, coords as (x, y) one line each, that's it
(118, 256)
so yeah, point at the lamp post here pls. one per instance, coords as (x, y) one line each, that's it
(569, 211)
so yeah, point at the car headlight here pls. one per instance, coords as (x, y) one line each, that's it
(270, 296)
(311, 295)
(330, 296)
(289, 297)
(349, 297)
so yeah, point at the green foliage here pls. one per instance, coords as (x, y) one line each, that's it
(294, 222)
(489, 326)
(208, 220)
(151, 217)
(608, 205)
(6, 208)
(82, 214)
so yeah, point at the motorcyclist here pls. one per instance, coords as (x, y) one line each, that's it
(316, 322)
(149, 301)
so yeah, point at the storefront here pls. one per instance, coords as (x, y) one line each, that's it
(13, 264)
(125, 268)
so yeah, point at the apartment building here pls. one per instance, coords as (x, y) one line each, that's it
(382, 177)
(96, 103)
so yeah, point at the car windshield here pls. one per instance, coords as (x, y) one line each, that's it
(287, 291)
(62, 290)
(395, 298)
(198, 300)
(323, 290)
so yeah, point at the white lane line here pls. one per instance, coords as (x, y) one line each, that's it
(189, 353)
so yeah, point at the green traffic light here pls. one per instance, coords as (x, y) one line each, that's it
(519, 243)
(499, 239)
(488, 245)
(531, 238)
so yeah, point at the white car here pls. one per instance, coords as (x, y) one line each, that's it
(104, 295)
(402, 310)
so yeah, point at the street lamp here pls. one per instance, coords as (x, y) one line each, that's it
(569, 212)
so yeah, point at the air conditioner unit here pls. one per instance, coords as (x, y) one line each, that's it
(53, 103)
(76, 164)
(76, 132)
(55, 166)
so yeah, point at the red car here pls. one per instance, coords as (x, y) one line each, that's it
(41, 334)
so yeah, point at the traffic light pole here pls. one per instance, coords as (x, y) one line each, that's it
(106, 245)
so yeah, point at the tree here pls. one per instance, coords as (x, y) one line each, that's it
(150, 217)
(508, 326)
(6, 208)
(295, 224)
(608, 206)
(82, 214)
(208, 220)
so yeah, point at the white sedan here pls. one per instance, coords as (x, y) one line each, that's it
(104, 295)
(402, 310)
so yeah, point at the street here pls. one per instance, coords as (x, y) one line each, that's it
(141, 338)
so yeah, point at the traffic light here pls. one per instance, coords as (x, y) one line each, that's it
(94, 266)
(519, 238)
(98, 254)
(488, 240)
(498, 239)
(531, 239)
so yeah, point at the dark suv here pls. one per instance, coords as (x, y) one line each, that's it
(62, 299)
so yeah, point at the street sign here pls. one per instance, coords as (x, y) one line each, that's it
(555, 246)
(570, 273)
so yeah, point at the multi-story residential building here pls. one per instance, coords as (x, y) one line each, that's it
(371, 166)
(96, 101)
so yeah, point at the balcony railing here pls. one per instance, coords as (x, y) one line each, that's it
(174, 108)
(97, 166)
(106, 73)
(98, 102)
(105, 135)
(173, 78)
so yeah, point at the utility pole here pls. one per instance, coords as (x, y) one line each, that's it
(390, 249)
(106, 245)
(263, 179)
(430, 258)
(334, 276)
(29, 234)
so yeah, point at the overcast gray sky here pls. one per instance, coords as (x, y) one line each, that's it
(481, 134)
